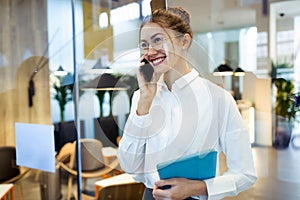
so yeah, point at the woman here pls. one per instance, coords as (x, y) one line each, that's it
(179, 113)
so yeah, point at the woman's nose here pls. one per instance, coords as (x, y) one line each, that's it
(152, 51)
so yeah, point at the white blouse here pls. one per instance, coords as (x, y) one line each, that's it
(195, 116)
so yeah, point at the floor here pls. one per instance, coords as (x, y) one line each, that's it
(278, 175)
(278, 172)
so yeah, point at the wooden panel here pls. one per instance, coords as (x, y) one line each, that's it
(156, 4)
(23, 34)
(40, 111)
(116, 3)
(94, 40)
(14, 103)
(129, 191)
(94, 37)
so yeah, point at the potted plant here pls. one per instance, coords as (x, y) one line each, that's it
(106, 127)
(285, 110)
(63, 94)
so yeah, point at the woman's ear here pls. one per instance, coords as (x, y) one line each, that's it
(186, 41)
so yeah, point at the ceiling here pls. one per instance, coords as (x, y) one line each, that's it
(208, 15)
(288, 9)
(112, 3)
(211, 15)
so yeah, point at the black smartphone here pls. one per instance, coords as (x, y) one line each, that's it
(147, 70)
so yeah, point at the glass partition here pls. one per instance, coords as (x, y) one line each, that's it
(71, 65)
(284, 53)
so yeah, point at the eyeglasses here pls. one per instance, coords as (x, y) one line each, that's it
(156, 43)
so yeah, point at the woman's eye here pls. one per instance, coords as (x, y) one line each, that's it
(157, 40)
(144, 45)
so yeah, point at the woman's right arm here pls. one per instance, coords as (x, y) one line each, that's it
(132, 146)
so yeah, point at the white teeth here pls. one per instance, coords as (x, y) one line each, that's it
(157, 60)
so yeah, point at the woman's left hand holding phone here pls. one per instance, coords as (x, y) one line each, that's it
(147, 90)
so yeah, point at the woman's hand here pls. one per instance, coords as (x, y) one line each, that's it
(181, 188)
(147, 91)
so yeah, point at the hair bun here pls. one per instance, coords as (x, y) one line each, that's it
(174, 18)
(181, 13)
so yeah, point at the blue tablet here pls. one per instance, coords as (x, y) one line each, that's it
(197, 166)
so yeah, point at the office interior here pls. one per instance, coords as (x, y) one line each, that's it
(70, 65)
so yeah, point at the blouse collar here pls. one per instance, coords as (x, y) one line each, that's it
(182, 81)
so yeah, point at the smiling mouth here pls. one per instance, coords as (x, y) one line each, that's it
(158, 61)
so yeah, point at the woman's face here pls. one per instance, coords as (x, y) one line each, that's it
(159, 47)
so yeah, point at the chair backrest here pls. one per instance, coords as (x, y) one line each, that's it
(128, 191)
(8, 167)
(65, 152)
(106, 130)
(91, 155)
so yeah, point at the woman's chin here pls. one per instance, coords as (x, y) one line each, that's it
(162, 68)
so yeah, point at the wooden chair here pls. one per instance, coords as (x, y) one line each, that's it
(128, 191)
(65, 153)
(9, 171)
(93, 165)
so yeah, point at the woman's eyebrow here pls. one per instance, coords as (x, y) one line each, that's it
(153, 36)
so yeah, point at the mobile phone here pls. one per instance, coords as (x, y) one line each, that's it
(147, 70)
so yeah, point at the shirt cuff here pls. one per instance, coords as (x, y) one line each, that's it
(218, 186)
(137, 125)
(142, 121)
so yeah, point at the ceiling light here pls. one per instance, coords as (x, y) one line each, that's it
(239, 72)
(223, 70)
(60, 72)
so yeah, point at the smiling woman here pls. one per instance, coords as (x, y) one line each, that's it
(178, 113)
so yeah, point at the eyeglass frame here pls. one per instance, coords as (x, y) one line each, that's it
(143, 50)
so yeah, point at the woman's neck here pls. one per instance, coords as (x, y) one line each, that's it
(175, 73)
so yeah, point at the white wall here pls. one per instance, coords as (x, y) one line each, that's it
(60, 49)
(211, 47)
(258, 91)
(297, 51)
(126, 35)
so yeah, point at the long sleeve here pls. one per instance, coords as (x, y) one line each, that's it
(131, 152)
(146, 139)
(235, 144)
